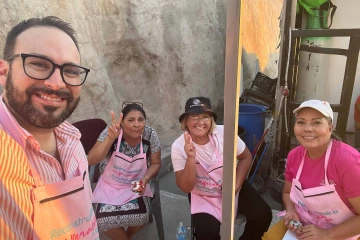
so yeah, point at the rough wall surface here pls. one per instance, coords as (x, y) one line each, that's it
(153, 51)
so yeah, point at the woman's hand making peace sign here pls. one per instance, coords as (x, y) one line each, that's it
(114, 128)
(189, 146)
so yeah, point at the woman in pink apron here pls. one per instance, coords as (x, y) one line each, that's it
(322, 191)
(128, 151)
(197, 158)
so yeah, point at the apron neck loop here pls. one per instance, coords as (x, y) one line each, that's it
(216, 151)
(327, 157)
(119, 142)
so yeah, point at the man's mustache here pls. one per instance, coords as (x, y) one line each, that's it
(48, 91)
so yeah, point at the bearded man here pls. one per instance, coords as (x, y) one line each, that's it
(44, 183)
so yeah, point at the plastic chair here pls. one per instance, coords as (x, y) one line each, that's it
(90, 130)
(155, 209)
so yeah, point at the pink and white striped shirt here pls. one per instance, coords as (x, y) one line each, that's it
(16, 181)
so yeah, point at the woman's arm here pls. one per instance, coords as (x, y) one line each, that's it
(99, 151)
(289, 205)
(186, 178)
(155, 165)
(242, 168)
(291, 213)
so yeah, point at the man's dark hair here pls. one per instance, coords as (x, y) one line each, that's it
(49, 21)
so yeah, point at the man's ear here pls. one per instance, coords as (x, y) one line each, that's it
(4, 71)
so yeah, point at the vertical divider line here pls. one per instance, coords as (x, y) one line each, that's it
(233, 54)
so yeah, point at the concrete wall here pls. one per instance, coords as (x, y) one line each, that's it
(157, 52)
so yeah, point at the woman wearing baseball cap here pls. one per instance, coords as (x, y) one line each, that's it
(197, 158)
(322, 181)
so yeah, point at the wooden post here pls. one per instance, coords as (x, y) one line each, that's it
(231, 108)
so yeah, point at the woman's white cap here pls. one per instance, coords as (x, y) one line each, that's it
(322, 106)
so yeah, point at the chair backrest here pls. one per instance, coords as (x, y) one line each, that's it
(90, 130)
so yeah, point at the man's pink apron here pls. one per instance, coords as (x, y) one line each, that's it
(62, 210)
(207, 193)
(321, 203)
(114, 186)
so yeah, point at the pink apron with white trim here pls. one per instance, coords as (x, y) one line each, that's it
(321, 202)
(114, 186)
(62, 210)
(207, 193)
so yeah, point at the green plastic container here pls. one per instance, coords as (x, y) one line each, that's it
(314, 21)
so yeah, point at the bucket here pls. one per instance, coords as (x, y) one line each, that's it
(252, 119)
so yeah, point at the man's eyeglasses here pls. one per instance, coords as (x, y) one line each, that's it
(41, 68)
(131, 103)
(197, 118)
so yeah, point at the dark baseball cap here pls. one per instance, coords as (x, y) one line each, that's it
(197, 105)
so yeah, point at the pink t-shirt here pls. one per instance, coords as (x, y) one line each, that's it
(203, 152)
(343, 170)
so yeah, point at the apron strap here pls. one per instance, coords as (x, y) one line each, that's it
(301, 166)
(141, 146)
(327, 157)
(119, 142)
(216, 151)
(218, 157)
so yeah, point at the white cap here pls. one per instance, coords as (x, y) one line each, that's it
(322, 106)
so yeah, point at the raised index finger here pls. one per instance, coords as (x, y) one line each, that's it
(187, 137)
(113, 117)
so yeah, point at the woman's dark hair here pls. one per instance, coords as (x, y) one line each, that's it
(133, 107)
(49, 21)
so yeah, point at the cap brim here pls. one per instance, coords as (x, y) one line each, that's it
(320, 111)
(197, 111)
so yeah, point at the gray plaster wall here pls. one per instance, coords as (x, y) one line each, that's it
(153, 51)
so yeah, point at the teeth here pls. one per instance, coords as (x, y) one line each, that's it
(50, 99)
(309, 137)
(199, 127)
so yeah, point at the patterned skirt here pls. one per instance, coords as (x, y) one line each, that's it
(133, 213)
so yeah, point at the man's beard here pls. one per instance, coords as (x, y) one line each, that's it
(27, 112)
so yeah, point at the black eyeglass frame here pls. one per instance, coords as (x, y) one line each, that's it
(54, 66)
(129, 103)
